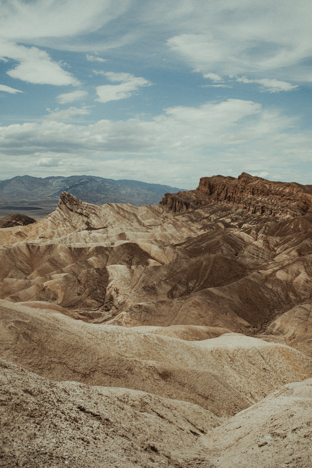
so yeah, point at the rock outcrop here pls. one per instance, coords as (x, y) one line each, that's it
(15, 220)
(252, 194)
(181, 318)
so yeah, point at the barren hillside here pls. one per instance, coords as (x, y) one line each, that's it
(200, 308)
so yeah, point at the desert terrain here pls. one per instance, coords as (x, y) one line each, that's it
(174, 335)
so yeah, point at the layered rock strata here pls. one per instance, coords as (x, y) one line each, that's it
(252, 194)
(157, 302)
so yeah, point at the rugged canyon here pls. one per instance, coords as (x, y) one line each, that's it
(177, 335)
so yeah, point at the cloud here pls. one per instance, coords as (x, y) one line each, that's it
(93, 58)
(27, 20)
(222, 137)
(217, 86)
(129, 85)
(124, 77)
(182, 129)
(9, 90)
(216, 79)
(99, 72)
(213, 76)
(214, 38)
(48, 162)
(271, 85)
(49, 23)
(71, 97)
(35, 66)
(232, 38)
(238, 37)
(67, 114)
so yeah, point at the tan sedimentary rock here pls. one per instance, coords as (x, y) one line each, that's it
(294, 327)
(218, 265)
(15, 220)
(224, 374)
(147, 299)
(185, 332)
(44, 423)
(275, 432)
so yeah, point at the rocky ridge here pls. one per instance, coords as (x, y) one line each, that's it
(204, 300)
(251, 194)
(15, 220)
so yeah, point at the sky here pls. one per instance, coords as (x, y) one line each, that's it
(163, 91)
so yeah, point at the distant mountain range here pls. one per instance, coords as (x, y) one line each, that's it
(23, 190)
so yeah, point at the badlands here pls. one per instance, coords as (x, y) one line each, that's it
(177, 335)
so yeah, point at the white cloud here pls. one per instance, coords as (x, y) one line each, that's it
(94, 58)
(67, 114)
(239, 37)
(129, 85)
(215, 38)
(123, 77)
(9, 90)
(216, 79)
(213, 76)
(42, 72)
(222, 137)
(48, 162)
(99, 72)
(71, 97)
(271, 85)
(49, 23)
(36, 66)
(231, 122)
(217, 86)
(22, 20)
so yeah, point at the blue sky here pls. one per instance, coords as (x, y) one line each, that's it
(163, 92)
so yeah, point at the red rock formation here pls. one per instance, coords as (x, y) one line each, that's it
(253, 194)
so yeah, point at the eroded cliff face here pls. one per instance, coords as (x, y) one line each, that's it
(252, 194)
(220, 265)
(158, 300)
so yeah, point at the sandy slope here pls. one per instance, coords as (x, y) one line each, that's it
(277, 432)
(295, 327)
(185, 332)
(69, 424)
(224, 374)
(45, 423)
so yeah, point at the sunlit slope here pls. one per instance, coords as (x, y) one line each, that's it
(224, 374)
